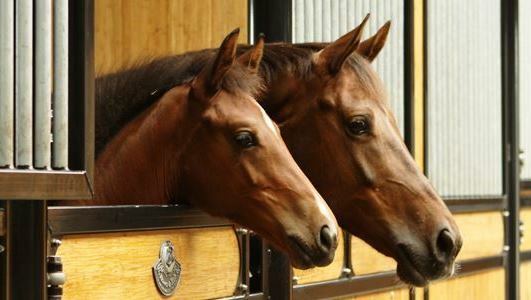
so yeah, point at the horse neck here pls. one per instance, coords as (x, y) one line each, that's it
(282, 96)
(140, 164)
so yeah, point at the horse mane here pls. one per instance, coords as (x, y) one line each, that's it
(123, 95)
(296, 59)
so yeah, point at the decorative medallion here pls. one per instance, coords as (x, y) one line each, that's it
(167, 270)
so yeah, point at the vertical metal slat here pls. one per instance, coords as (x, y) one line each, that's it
(43, 83)
(60, 85)
(23, 83)
(7, 59)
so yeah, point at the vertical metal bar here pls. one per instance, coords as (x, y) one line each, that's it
(60, 85)
(24, 83)
(250, 22)
(27, 249)
(43, 84)
(277, 275)
(274, 19)
(243, 287)
(7, 72)
(348, 269)
(409, 82)
(4, 292)
(425, 122)
(510, 82)
(81, 86)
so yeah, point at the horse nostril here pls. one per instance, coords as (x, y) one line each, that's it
(446, 245)
(327, 239)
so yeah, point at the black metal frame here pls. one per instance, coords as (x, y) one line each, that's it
(511, 120)
(273, 18)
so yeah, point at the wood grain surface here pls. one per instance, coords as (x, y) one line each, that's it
(119, 265)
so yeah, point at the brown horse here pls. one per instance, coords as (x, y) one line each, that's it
(334, 116)
(207, 141)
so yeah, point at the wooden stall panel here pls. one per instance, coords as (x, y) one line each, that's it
(486, 285)
(482, 234)
(126, 31)
(525, 216)
(366, 260)
(332, 271)
(525, 281)
(119, 265)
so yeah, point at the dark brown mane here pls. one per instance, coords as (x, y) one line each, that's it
(123, 95)
(296, 59)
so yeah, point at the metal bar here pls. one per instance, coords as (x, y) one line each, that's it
(273, 18)
(4, 291)
(23, 184)
(7, 81)
(357, 285)
(509, 38)
(24, 83)
(27, 249)
(277, 274)
(81, 86)
(366, 284)
(425, 85)
(43, 84)
(461, 205)
(243, 286)
(348, 269)
(94, 219)
(60, 85)
(409, 82)
(525, 255)
(256, 296)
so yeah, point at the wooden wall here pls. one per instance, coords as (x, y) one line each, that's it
(128, 30)
(119, 265)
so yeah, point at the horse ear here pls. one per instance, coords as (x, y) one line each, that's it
(252, 57)
(211, 77)
(372, 46)
(334, 55)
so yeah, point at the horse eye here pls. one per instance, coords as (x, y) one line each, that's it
(245, 139)
(358, 126)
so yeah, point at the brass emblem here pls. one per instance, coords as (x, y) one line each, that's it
(167, 270)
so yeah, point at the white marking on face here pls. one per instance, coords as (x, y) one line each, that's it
(268, 121)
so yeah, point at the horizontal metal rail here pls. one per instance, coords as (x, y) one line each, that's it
(475, 204)
(38, 185)
(366, 284)
(100, 219)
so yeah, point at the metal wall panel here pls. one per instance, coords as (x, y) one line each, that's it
(7, 60)
(43, 84)
(60, 85)
(525, 86)
(464, 115)
(24, 83)
(33, 80)
(326, 20)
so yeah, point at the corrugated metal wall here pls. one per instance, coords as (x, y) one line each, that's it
(464, 97)
(32, 39)
(525, 86)
(326, 20)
